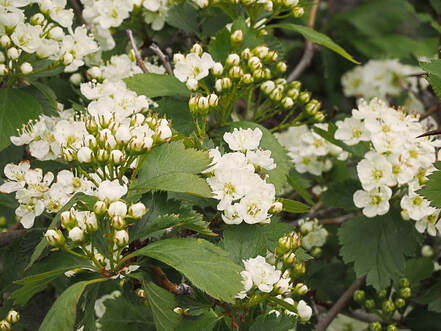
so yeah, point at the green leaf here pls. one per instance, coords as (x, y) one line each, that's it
(278, 175)
(204, 264)
(340, 194)
(156, 85)
(432, 67)
(268, 322)
(418, 269)
(431, 190)
(299, 185)
(293, 206)
(162, 304)
(316, 37)
(62, 315)
(178, 112)
(244, 241)
(378, 246)
(89, 200)
(435, 82)
(172, 167)
(220, 46)
(205, 322)
(432, 297)
(183, 16)
(16, 109)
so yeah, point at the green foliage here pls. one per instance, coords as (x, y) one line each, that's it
(272, 322)
(178, 112)
(432, 188)
(155, 85)
(172, 167)
(62, 314)
(299, 185)
(292, 206)
(16, 108)
(205, 322)
(204, 264)
(318, 38)
(378, 247)
(162, 304)
(183, 16)
(432, 297)
(340, 194)
(245, 241)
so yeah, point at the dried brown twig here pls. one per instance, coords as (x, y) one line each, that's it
(139, 60)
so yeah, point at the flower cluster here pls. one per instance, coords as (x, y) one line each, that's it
(36, 193)
(48, 34)
(120, 67)
(397, 159)
(275, 275)
(314, 235)
(308, 150)
(11, 318)
(235, 181)
(381, 79)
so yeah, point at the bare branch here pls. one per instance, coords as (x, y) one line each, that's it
(181, 289)
(339, 305)
(162, 57)
(139, 60)
(337, 220)
(308, 53)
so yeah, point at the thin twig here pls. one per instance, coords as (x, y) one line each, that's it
(337, 220)
(339, 305)
(170, 286)
(308, 53)
(139, 60)
(162, 57)
(430, 111)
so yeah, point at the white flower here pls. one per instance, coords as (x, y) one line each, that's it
(374, 202)
(429, 223)
(193, 67)
(351, 131)
(84, 155)
(243, 140)
(111, 190)
(374, 170)
(262, 159)
(263, 275)
(416, 206)
(304, 311)
(27, 37)
(137, 210)
(247, 283)
(122, 238)
(76, 234)
(117, 208)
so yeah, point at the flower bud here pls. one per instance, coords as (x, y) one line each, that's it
(122, 135)
(56, 33)
(26, 68)
(304, 311)
(235, 72)
(13, 53)
(261, 51)
(427, 251)
(254, 63)
(400, 302)
(272, 56)
(137, 145)
(403, 282)
(141, 293)
(67, 58)
(359, 296)
(13, 316)
(84, 155)
(236, 37)
(137, 119)
(192, 84)
(203, 104)
(94, 72)
(268, 86)
(405, 292)
(3, 70)
(304, 96)
(285, 244)
(247, 79)
(391, 327)
(121, 238)
(118, 222)
(55, 238)
(76, 79)
(116, 156)
(276, 95)
(299, 268)
(246, 54)
(319, 116)
(137, 210)
(91, 222)
(178, 57)
(91, 125)
(117, 208)
(369, 304)
(289, 258)
(102, 155)
(281, 67)
(100, 207)
(197, 49)
(68, 154)
(287, 103)
(233, 59)
(301, 289)
(76, 234)
(217, 69)
(5, 41)
(193, 103)
(375, 326)
(99, 257)
(276, 207)
(316, 252)
(213, 100)
(5, 325)
(298, 11)
(68, 219)
(290, 3)
(382, 294)
(388, 307)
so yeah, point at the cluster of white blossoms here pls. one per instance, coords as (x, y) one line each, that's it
(381, 79)
(275, 275)
(234, 179)
(194, 66)
(36, 192)
(314, 234)
(397, 159)
(48, 34)
(309, 151)
(120, 67)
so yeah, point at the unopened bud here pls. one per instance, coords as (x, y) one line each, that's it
(5, 41)
(290, 3)
(298, 11)
(56, 33)
(100, 207)
(247, 79)
(13, 53)
(55, 238)
(76, 79)
(276, 94)
(261, 51)
(13, 317)
(382, 294)
(316, 252)
(213, 100)
(178, 57)
(235, 72)
(137, 210)
(85, 155)
(427, 251)
(319, 116)
(254, 63)
(268, 86)
(67, 59)
(359, 296)
(246, 54)
(305, 96)
(301, 289)
(141, 293)
(259, 74)
(118, 222)
(287, 103)
(192, 84)
(99, 257)
(276, 207)
(3, 70)
(121, 238)
(203, 103)
(400, 302)
(388, 307)
(299, 268)
(5, 325)
(281, 67)
(405, 292)
(375, 326)
(272, 56)
(217, 69)
(289, 258)
(233, 60)
(117, 157)
(76, 234)
(68, 154)
(391, 327)
(369, 304)
(197, 49)
(102, 155)
(37, 19)
(95, 72)
(403, 282)
(68, 219)
(91, 125)
(26, 68)
(236, 37)
(285, 244)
